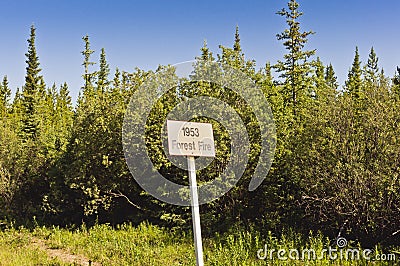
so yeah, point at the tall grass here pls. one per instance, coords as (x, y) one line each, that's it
(147, 244)
(16, 249)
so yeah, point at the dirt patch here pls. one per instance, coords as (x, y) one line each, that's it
(63, 255)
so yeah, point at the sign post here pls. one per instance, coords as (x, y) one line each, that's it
(198, 245)
(192, 139)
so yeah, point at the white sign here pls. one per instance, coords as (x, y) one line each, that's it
(190, 139)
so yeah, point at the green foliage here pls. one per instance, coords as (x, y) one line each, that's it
(296, 67)
(31, 89)
(146, 244)
(371, 69)
(86, 63)
(104, 71)
(16, 249)
(353, 84)
(348, 164)
(335, 166)
(331, 78)
(396, 84)
(5, 93)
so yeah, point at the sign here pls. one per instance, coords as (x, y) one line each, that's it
(190, 139)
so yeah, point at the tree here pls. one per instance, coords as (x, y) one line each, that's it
(348, 163)
(235, 58)
(296, 68)
(102, 75)
(87, 52)
(33, 81)
(353, 84)
(206, 54)
(396, 83)
(320, 82)
(5, 94)
(117, 79)
(331, 78)
(325, 82)
(371, 69)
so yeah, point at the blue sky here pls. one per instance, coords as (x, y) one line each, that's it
(145, 34)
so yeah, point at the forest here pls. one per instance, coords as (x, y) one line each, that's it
(336, 167)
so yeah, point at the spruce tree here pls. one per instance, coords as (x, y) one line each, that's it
(117, 79)
(64, 117)
(268, 72)
(396, 79)
(296, 67)
(235, 58)
(324, 89)
(371, 69)
(319, 75)
(102, 75)
(5, 94)
(236, 46)
(330, 77)
(353, 84)
(33, 82)
(396, 84)
(86, 62)
(206, 54)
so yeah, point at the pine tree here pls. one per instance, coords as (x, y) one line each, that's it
(235, 58)
(325, 83)
(330, 77)
(236, 46)
(353, 84)
(396, 83)
(206, 54)
(33, 82)
(102, 75)
(16, 106)
(396, 79)
(86, 62)
(371, 69)
(268, 72)
(64, 117)
(319, 75)
(296, 68)
(117, 79)
(5, 94)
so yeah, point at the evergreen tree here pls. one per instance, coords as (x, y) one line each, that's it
(33, 82)
(371, 69)
(16, 105)
(319, 76)
(63, 117)
(353, 84)
(102, 75)
(117, 79)
(330, 77)
(235, 58)
(206, 54)
(396, 83)
(325, 82)
(268, 72)
(5, 94)
(87, 63)
(396, 79)
(236, 45)
(296, 68)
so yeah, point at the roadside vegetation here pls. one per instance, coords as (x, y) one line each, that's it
(335, 171)
(147, 244)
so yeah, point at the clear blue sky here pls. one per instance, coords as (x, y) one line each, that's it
(145, 34)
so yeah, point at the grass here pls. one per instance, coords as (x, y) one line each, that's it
(16, 249)
(151, 245)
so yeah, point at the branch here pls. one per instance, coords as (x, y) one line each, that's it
(120, 195)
